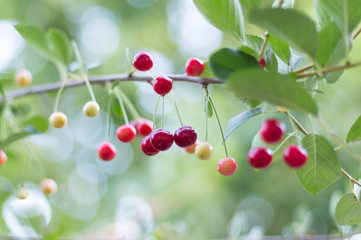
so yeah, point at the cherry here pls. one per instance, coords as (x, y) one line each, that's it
(48, 186)
(162, 85)
(58, 119)
(185, 136)
(227, 166)
(192, 148)
(262, 62)
(259, 157)
(194, 67)
(272, 130)
(142, 61)
(126, 133)
(145, 127)
(161, 139)
(204, 151)
(91, 109)
(295, 156)
(3, 158)
(147, 147)
(23, 78)
(22, 193)
(106, 151)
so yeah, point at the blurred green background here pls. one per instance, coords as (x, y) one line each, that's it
(172, 195)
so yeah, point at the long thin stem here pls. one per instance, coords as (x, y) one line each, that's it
(108, 124)
(302, 69)
(57, 99)
(123, 109)
(155, 112)
(206, 107)
(298, 125)
(264, 44)
(346, 22)
(219, 124)
(128, 103)
(177, 109)
(163, 112)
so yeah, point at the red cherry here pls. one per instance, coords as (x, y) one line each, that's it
(259, 157)
(162, 85)
(262, 62)
(3, 158)
(126, 133)
(194, 67)
(295, 156)
(142, 61)
(106, 151)
(147, 147)
(227, 166)
(161, 139)
(135, 124)
(272, 130)
(143, 127)
(185, 136)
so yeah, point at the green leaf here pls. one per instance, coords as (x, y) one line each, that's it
(291, 26)
(348, 210)
(275, 88)
(60, 45)
(227, 61)
(354, 134)
(249, 51)
(2, 92)
(256, 43)
(20, 110)
(14, 137)
(322, 167)
(226, 15)
(280, 48)
(251, 3)
(208, 108)
(39, 123)
(35, 36)
(323, 17)
(117, 109)
(240, 119)
(207, 71)
(336, 10)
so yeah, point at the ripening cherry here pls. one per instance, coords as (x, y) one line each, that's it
(185, 136)
(227, 166)
(48, 186)
(161, 139)
(3, 158)
(58, 119)
(191, 149)
(126, 133)
(144, 127)
(23, 78)
(106, 151)
(295, 156)
(194, 67)
(259, 157)
(143, 61)
(272, 130)
(262, 62)
(91, 109)
(162, 85)
(147, 147)
(204, 151)
(22, 193)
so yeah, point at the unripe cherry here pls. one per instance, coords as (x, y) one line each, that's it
(194, 67)
(106, 151)
(143, 61)
(192, 149)
(227, 166)
(48, 186)
(23, 78)
(126, 133)
(3, 158)
(58, 119)
(91, 109)
(204, 151)
(22, 193)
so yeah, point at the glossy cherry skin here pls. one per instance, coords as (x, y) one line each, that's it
(162, 85)
(295, 156)
(185, 136)
(142, 61)
(147, 147)
(272, 130)
(259, 157)
(203, 151)
(106, 151)
(262, 62)
(161, 139)
(227, 166)
(144, 127)
(126, 133)
(194, 67)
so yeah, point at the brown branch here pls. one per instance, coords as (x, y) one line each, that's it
(328, 70)
(102, 80)
(350, 177)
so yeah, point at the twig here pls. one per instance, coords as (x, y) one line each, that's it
(330, 69)
(350, 177)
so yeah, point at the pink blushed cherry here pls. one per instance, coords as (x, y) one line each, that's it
(106, 151)
(185, 136)
(147, 147)
(3, 158)
(295, 156)
(143, 61)
(227, 166)
(126, 133)
(194, 67)
(259, 157)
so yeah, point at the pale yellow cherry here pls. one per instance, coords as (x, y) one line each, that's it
(22, 193)
(204, 151)
(23, 78)
(58, 119)
(91, 109)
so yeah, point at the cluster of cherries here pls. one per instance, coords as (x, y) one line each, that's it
(272, 131)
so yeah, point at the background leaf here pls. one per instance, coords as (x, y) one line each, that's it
(39, 123)
(280, 48)
(275, 88)
(348, 210)
(207, 71)
(14, 137)
(291, 26)
(354, 134)
(60, 45)
(322, 167)
(226, 15)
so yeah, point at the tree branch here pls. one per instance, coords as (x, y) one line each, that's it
(102, 80)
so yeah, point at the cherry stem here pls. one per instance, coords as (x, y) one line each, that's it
(220, 126)
(163, 112)
(123, 108)
(128, 103)
(177, 109)
(352, 180)
(206, 106)
(264, 44)
(155, 113)
(109, 109)
(57, 99)
(298, 125)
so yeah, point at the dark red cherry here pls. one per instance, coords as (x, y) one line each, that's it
(259, 157)
(194, 67)
(147, 147)
(161, 139)
(185, 136)
(295, 156)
